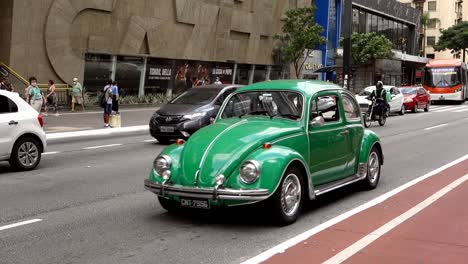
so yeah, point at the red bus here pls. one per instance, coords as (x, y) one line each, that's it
(446, 80)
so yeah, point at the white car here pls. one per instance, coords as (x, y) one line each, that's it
(22, 137)
(396, 99)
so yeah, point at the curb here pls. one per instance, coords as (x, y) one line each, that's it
(95, 134)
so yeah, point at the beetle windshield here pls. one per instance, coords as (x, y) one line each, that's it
(280, 104)
(196, 96)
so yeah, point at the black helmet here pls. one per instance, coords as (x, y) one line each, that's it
(379, 85)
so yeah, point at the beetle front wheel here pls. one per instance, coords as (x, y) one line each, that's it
(289, 197)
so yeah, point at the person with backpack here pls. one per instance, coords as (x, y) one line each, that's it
(34, 95)
(106, 103)
(115, 98)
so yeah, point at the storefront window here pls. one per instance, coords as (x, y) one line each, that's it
(260, 73)
(128, 74)
(243, 71)
(159, 76)
(98, 70)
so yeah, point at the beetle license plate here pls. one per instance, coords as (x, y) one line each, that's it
(166, 129)
(195, 203)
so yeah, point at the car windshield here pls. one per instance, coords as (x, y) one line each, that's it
(280, 104)
(442, 77)
(366, 92)
(408, 91)
(196, 96)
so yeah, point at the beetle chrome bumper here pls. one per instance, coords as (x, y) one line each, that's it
(206, 193)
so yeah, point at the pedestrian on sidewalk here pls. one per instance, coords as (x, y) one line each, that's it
(107, 97)
(77, 95)
(51, 99)
(34, 95)
(115, 97)
(2, 84)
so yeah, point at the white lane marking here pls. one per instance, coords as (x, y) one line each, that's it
(150, 140)
(463, 110)
(367, 240)
(122, 111)
(449, 109)
(19, 224)
(307, 234)
(97, 132)
(434, 127)
(440, 107)
(50, 153)
(103, 146)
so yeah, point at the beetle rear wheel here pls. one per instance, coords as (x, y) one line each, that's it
(289, 197)
(373, 170)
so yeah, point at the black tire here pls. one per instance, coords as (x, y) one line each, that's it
(416, 107)
(372, 180)
(278, 204)
(367, 120)
(402, 110)
(163, 141)
(169, 205)
(382, 119)
(426, 109)
(26, 154)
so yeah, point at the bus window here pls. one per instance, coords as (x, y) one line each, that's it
(443, 77)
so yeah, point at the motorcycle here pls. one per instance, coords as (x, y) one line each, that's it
(377, 112)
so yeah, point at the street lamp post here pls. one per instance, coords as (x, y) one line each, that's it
(346, 26)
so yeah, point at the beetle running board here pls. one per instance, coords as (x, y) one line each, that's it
(325, 188)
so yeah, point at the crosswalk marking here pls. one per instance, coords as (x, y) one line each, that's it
(450, 108)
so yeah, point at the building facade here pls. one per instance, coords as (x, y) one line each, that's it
(449, 12)
(147, 46)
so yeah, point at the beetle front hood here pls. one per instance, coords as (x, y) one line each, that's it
(219, 148)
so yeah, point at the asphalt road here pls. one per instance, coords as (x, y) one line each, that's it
(94, 209)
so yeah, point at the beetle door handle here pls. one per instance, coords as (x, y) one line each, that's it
(12, 122)
(344, 132)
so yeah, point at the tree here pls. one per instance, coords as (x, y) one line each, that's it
(426, 21)
(367, 47)
(454, 38)
(300, 33)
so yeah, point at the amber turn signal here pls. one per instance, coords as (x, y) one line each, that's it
(180, 142)
(266, 145)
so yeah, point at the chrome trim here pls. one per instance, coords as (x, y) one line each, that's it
(338, 185)
(207, 193)
(167, 158)
(258, 167)
(288, 137)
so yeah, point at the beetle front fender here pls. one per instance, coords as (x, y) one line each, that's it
(273, 163)
(369, 140)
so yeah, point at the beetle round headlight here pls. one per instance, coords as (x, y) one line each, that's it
(162, 164)
(249, 171)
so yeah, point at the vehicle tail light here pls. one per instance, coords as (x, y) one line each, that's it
(41, 121)
(180, 142)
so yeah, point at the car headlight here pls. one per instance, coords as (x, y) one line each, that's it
(162, 166)
(408, 100)
(249, 171)
(193, 116)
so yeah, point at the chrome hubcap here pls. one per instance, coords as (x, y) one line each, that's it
(291, 194)
(374, 166)
(28, 154)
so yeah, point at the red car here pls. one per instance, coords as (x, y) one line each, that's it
(416, 98)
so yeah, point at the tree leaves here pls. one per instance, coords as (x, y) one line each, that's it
(300, 32)
(366, 47)
(454, 38)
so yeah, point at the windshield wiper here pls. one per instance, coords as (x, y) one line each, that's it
(255, 113)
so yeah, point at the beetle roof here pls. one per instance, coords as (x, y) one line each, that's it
(307, 87)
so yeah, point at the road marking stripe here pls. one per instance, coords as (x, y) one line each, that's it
(150, 140)
(463, 110)
(19, 224)
(449, 109)
(103, 146)
(434, 127)
(307, 234)
(50, 153)
(371, 237)
(440, 107)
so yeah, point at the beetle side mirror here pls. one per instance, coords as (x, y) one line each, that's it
(212, 120)
(317, 122)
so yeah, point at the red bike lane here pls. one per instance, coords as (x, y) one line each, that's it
(425, 223)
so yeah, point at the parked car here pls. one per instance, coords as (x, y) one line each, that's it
(279, 142)
(22, 138)
(395, 99)
(416, 98)
(188, 112)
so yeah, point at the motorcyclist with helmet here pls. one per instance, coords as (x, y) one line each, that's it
(380, 95)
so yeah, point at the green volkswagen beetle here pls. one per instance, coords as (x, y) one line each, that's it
(277, 142)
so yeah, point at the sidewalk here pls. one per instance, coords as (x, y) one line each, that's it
(88, 120)
(424, 223)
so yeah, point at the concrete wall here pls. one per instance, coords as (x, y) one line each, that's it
(50, 41)
(6, 9)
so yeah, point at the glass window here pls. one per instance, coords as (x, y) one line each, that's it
(98, 70)
(7, 105)
(159, 77)
(375, 24)
(430, 56)
(362, 21)
(326, 107)
(351, 109)
(432, 6)
(432, 23)
(355, 20)
(243, 71)
(196, 96)
(431, 41)
(380, 19)
(128, 74)
(369, 23)
(391, 32)
(260, 73)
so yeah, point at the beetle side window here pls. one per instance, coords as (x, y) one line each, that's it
(326, 107)
(351, 109)
(7, 105)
